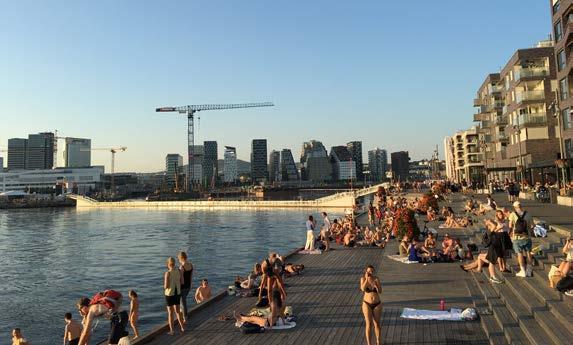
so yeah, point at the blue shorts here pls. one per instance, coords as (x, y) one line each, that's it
(522, 245)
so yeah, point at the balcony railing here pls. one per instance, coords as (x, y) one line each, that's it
(477, 102)
(500, 120)
(531, 72)
(532, 119)
(494, 89)
(501, 136)
(524, 96)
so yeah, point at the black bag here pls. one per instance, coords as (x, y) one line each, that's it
(565, 284)
(472, 247)
(521, 225)
(486, 239)
(251, 328)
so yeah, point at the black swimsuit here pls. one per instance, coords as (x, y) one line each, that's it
(372, 306)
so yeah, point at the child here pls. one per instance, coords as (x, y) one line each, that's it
(133, 312)
(203, 292)
(72, 331)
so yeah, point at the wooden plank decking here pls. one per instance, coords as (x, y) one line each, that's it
(327, 302)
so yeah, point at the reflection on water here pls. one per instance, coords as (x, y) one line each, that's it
(51, 257)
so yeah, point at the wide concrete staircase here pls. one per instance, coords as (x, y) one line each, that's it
(525, 310)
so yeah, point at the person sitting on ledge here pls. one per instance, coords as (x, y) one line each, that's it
(349, 239)
(203, 292)
(252, 281)
(489, 205)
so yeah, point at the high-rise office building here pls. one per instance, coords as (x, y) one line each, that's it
(343, 166)
(197, 166)
(40, 151)
(378, 164)
(77, 153)
(230, 165)
(400, 165)
(275, 166)
(315, 162)
(17, 149)
(288, 166)
(210, 170)
(173, 165)
(355, 149)
(312, 148)
(259, 168)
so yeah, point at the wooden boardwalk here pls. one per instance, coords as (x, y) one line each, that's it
(327, 302)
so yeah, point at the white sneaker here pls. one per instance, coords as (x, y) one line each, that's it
(569, 293)
(521, 273)
(529, 271)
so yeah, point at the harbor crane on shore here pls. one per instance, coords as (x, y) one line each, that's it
(190, 110)
(113, 151)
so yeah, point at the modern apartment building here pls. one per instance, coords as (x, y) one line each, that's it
(77, 153)
(210, 169)
(493, 138)
(173, 166)
(468, 162)
(40, 151)
(289, 171)
(400, 165)
(275, 166)
(378, 164)
(315, 162)
(230, 174)
(17, 149)
(355, 149)
(259, 168)
(562, 24)
(343, 166)
(532, 128)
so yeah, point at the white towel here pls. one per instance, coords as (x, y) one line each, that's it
(419, 314)
(402, 259)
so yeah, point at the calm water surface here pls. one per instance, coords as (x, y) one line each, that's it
(49, 258)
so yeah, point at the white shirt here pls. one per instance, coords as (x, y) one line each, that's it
(327, 223)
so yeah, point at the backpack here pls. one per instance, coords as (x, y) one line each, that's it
(251, 328)
(521, 226)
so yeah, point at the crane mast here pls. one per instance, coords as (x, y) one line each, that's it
(190, 110)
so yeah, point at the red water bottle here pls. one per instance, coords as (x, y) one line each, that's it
(442, 305)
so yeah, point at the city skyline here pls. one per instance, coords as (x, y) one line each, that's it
(126, 60)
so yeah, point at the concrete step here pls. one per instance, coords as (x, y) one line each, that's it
(517, 296)
(522, 314)
(511, 329)
(488, 321)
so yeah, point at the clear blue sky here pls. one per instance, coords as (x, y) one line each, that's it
(399, 75)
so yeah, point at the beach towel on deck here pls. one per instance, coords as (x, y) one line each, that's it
(280, 326)
(419, 314)
(311, 252)
(402, 259)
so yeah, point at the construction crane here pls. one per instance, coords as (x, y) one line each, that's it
(113, 151)
(190, 110)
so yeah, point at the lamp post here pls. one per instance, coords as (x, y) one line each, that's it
(557, 113)
(517, 130)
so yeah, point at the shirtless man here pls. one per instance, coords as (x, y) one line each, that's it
(104, 304)
(203, 292)
(73, 330)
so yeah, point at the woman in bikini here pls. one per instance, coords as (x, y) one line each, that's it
(371, 304)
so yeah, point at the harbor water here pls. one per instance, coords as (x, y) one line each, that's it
(51, 257)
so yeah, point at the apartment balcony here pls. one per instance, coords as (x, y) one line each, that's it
(504, 110)
(531, 73)
(481, 117)
(477, 102)
(500, 121)
(530, 96)
(493, 89)
(501, 136)
(539, 119)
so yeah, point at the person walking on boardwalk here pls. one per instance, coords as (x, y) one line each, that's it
(310, 225)
(186, 269)
(172, 284)
(371, 304)
(521, 223)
